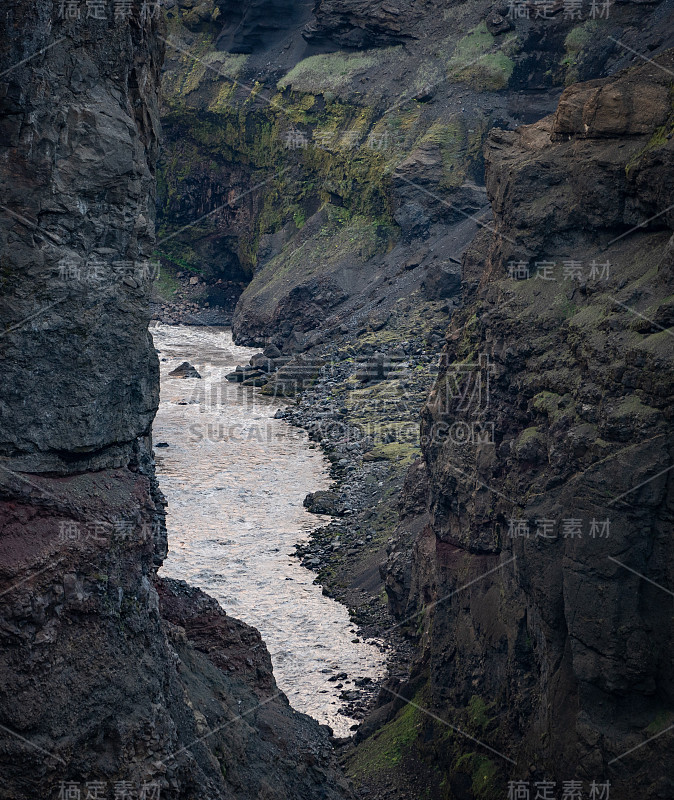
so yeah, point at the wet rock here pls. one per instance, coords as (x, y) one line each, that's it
(323, 502)
(185, 370)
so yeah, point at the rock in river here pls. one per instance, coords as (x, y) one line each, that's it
(185, 370)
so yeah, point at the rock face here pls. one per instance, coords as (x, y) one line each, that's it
(362, 23)
(250, 25)
(105, 691)
(77, 222)
(539, 582)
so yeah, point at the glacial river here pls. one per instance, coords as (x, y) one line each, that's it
(235, 479)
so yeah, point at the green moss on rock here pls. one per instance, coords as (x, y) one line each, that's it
(474, 62)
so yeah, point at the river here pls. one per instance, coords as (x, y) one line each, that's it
(235, 479)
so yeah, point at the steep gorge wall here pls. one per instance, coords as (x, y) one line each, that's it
(540, 582)
(112, 680)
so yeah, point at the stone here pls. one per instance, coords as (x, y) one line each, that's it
(261, 362)
(322, 502)
(425, 94)
(271, 351)
(442, 280)
(497, 24)
(185, 370)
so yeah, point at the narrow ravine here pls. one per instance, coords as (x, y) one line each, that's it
(235, 479)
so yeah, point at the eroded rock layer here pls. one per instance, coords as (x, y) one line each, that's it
(540, 583)
(105, 691)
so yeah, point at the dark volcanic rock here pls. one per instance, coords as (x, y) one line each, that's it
(496, 24)
(442, 280)
(185, 370)
(546, 543)
(100, 693)
(262, 363)
(77, 225)
(323, 502)
(261, 741)
(362, 23)
(252, 24)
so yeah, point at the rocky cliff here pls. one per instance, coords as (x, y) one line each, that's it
(540, 584)
(114, 683)
(342, 147)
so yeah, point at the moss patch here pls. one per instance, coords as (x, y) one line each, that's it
(663, 719)
(385, 749)
(483, 774)
(576, 41)
(402, 452)
(327, 71)
(478, 713)
(474, 63)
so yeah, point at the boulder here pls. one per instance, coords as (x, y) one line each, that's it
(442, 280)
(496, 24)
(322, 502)
(185, 370)
(261, 362)
(271, 351)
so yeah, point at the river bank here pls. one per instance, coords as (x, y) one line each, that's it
(368, 433)
(235, 475)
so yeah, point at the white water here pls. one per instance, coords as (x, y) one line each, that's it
(235, 479)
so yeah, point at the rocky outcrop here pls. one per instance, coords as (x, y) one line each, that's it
(539, 586)
(262, 747)
(105, 691)
(77, 183)
(184, 370)
(362, 23)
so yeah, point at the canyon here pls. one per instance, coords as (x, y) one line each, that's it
(450, 227)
